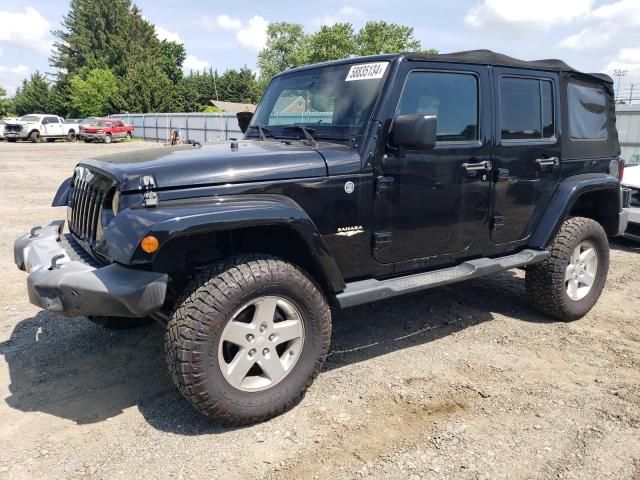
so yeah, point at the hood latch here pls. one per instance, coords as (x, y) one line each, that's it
(148, 184)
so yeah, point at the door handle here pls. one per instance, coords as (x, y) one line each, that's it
(472, 167)
(548, 162)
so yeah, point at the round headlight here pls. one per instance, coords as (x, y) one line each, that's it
(115, 202)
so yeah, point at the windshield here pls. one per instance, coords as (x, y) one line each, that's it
(104, 124)
(29, 118)
(334, 101)
(90, 121)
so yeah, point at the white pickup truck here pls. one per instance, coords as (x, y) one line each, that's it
(39, 127)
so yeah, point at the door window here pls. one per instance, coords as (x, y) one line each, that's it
(50, 120)
(526, 109)
(451, 97)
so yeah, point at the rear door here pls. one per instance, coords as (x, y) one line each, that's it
(439, 200)
(527, 152)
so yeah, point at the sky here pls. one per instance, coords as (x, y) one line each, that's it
(590, 35)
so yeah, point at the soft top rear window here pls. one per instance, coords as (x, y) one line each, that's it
(587, 112)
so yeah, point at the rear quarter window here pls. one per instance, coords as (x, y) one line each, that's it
(587, 112)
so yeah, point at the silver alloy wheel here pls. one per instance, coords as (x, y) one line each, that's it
(580, 274)
(261, 343)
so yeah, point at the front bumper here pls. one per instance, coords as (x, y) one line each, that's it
(632, 229)
(62, 278)
(94, 136)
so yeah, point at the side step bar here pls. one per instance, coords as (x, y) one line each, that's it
(370, 290)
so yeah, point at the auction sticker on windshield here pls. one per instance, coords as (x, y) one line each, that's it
(367, 71)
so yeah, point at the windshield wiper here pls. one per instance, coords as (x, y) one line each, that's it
(306, 131)
(261, 130)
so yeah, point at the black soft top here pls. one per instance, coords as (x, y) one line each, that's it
(487, 57)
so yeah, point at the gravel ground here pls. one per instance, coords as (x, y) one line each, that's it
(463, 381)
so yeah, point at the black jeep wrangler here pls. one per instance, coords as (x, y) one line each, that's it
(356, 180)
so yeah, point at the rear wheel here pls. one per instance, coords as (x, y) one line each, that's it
(247, 339)
(107, 138)
(71, 136)
(35, 137)
(569, 282)
(120, 323)
(128, 137)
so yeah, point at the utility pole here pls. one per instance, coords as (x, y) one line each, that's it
(619, 74)
(631, 93)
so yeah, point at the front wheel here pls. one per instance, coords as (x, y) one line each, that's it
(107, 138)
(35, 137)
(247, 339)
(569, 282)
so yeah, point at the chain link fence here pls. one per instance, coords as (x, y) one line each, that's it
(201, 127)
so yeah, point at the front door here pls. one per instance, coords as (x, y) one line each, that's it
(527, 152)
(438, 200)
(52, 126)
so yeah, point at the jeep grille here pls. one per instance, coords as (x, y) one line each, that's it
(90, 190)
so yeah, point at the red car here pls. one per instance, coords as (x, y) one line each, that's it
(107, 130)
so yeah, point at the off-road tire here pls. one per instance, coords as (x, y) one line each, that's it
(35, 137)
(545, 281)
(120, 323)
(209, 303)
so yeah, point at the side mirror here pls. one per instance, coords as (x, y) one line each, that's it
(417, 132)
(244, 119)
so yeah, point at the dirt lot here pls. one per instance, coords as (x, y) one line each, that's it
(459, 382)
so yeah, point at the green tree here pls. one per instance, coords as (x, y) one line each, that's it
(197, 89)
(285, 49)
(92, 94)
(146, 88)
(383, 37)
(33, 96)
(172, 56)
(6, 104)
(331, 43)
(239, 86)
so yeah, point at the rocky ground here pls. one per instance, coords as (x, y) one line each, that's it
(462, 382)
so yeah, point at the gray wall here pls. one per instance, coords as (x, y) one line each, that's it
(628, 124)
(203, 127)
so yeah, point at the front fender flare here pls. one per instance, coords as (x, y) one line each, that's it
(565, 197)
(174, 219)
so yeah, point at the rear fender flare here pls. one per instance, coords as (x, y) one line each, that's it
(564, 199)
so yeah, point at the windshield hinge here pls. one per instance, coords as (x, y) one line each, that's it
(148, 184)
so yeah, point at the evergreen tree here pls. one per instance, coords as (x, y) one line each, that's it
(33, 96)
(146, 89)
(239, 86)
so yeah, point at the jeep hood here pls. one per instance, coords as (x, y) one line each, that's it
(188, 166)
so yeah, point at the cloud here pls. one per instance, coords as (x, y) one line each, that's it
(228, 23)
(608, 22)
(191, 62)
(11, 77)
(250, 35)
(253, 36)
(25, 29)
(346, 14)
(537, 13)
(626, 59)
(164, 34)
